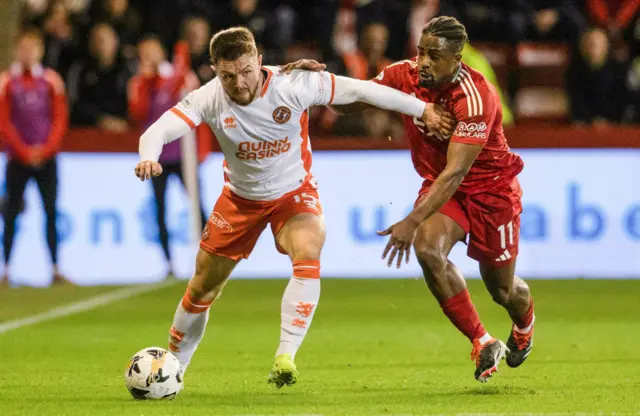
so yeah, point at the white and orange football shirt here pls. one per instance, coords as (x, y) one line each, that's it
(266, 143)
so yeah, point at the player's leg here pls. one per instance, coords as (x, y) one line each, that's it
(300, 233)
(228, 236)
(159, 184)
(17, 176)
(511, 292)
(47, 181)
(434, 240)
(494, 239)
(192, 314)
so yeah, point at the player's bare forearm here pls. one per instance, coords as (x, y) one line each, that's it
(460, 158)
(440, 192)
(355, 108)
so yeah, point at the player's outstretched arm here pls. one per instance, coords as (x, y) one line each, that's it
(166, 129)
(349, 91)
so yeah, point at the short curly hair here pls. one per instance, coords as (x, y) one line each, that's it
(450, 29)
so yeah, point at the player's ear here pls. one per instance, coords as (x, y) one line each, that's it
(213, 68)
(260, 60)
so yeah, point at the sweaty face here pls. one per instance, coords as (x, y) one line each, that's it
(240, 78)
(436, 62)
(29, 51)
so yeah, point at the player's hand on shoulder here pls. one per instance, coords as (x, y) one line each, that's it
(304, 64)
(147, 169)
(439, 121)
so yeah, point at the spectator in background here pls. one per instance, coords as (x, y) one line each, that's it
(156, 88)
(196, 33)
(408, 18)
(248, 13)
(60, 41)
(614, 16)
(551, 20)
(307, 24)
(33, 120)
(369, 60)
(122, 18)
(366, 63)
(98, 84)
(591, 79)
(617, 18)
(491, 20)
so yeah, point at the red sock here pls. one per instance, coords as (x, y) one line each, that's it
(525, 320)
(461, 312)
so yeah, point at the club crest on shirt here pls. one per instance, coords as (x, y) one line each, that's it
(281, 115)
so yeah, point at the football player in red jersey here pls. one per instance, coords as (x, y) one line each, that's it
(470, 192)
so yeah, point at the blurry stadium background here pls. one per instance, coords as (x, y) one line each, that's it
(568, 71)
(569, 75)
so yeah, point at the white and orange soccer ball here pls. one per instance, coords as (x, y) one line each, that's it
(153, 373)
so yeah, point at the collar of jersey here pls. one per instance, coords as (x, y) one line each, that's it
(18, 69)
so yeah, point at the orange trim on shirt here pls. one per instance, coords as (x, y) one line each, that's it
(304, 133)
(333, 88)
(184, 117)
(267, 81)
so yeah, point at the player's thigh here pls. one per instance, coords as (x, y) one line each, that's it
(298, 224)
(302, 236)
(435, 238)
(212, 272)
(233, 228)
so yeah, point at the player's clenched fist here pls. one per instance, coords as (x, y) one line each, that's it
(148, 169)
(439, 121)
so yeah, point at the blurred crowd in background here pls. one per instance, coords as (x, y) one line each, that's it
(553, 60)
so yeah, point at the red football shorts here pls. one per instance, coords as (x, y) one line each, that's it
(236, 223)
(491, 221)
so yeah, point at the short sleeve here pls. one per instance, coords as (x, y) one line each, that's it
(475, 112)
(191, 108)
(314, 88)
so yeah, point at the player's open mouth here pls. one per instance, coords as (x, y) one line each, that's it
(426, 77)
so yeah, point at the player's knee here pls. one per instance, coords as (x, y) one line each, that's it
(520, 289)
(432, 260)
(308, 248)
(307, 252)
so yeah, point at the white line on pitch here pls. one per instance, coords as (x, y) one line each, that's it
(84, 305)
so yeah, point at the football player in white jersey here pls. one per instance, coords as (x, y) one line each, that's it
(260, 118)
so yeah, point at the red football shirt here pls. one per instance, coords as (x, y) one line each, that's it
(475, 104)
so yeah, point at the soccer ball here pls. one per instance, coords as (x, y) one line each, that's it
(153, 373)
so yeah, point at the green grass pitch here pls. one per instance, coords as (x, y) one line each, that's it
(375, 347)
